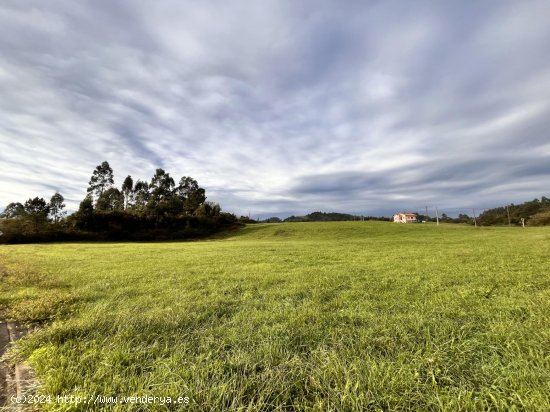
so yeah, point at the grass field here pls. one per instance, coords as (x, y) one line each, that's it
(296, 316)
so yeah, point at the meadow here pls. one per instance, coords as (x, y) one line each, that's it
(295, 316)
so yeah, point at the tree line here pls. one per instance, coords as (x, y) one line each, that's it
(34, 212)
(535, 212)
(138, 210)
(323, 217)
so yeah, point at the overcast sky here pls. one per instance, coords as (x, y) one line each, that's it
(280, 107)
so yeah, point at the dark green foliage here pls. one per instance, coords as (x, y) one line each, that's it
(161, 191)
(128, 191)
(85, 213)
(540, 219)
(331, 217)
(161, 186)
(446, 219)
(190, 193)
(526, 210)
(194, 200)
(110, 200)
(102, 179)
(207, 209)
(158, 210)
(13, 210)
(141, 197)
(143, 211)
(124, 226)
(28, 218)
(321, 216)
(37, 210)
(36, 206)
(246, 220)
(186, 185)
(56, 206)
(463, 218)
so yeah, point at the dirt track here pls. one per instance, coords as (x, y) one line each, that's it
(4, 343)
(14, 379)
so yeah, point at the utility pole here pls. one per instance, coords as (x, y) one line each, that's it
(508, 213)
(427, 213)
(437, 215)
(523, 222)
(475, 220)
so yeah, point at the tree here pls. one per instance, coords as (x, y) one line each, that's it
(161, 199)
(101, 180)
(110, 200)
(540, 219)
(56, 206)
(186, 185)
(161, 186)
(128, 190)
(141, 196)
(207, 209)
(499, 215)
(445, 218)
(37, 211)
(136, 210)
(190, 193)
(194, 200)
(85, 213)
(12, 211)
(463, 218)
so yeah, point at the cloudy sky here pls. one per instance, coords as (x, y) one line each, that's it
(280, 107)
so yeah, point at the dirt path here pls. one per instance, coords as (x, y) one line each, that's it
(14, 379)
(4, 343)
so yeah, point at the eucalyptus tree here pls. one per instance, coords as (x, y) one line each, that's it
(56, 206)
(85, 213)
(128, 191)
(110, 200)
(161, 200)
(191, 194)
(101, 180)
(37, 210)
(207, 209)
(162, 185)
(141, 196)
(12, 211)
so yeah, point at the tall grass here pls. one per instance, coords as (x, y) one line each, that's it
(299, 316)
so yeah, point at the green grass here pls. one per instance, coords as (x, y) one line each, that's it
(299, 316)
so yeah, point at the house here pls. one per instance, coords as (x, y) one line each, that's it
(405, 218)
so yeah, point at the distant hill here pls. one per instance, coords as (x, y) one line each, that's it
(330, 217)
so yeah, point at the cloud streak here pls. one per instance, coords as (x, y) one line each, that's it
(279, 107)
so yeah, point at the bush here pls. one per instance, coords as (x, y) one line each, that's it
(540, 219)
